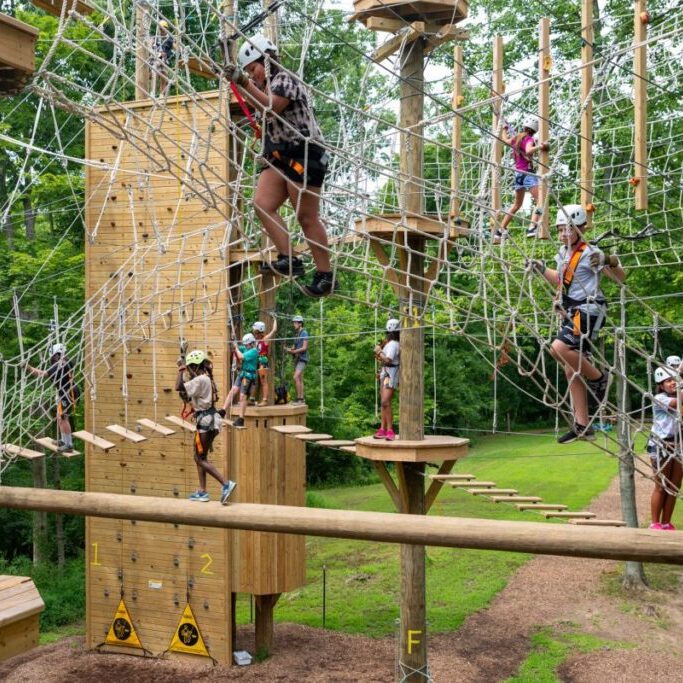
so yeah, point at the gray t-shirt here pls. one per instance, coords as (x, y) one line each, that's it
(200, 392)
(393, 352)
(665, 420)
(298, 343)
(585, 285)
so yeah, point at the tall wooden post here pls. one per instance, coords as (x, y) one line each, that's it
(586, 176)
(544, 66)
(640, 102)
(498, 88)
(456, 135)
(142, 70)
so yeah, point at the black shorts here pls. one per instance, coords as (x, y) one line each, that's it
(297, 168)
(579, 330)
(246, 383)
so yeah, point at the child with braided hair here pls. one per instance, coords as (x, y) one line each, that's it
(195, 378)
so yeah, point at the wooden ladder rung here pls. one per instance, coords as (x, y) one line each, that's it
(541, 506)
(335, 443)
(20, 451)
(179, 422)
(290, 430)
(51, 445)
(598, 522)
(312, 437)
(452, 477)
(489, 492)
(126, 433)
(471, 484)
(516, 499)
(348, 449)
(569, 515)
(94, 440)
(155, 426)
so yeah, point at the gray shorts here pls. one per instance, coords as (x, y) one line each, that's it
(208, 421)
(300, 366)
(386, 381)
(660, 453)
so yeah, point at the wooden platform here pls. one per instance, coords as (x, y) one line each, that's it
(431, 449)
(390, 225)
(451, 11)
(17, 54)
(54, 7)
(20, 607)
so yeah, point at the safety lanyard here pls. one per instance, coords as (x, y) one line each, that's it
(243, 106)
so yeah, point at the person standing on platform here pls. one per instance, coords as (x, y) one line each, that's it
(299, 353)
(60, 373)
(263, 346)
(296, 160)
(201, 390)
(388, 355)
(248, 354)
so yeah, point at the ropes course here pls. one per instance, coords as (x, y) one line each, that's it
(188, 197)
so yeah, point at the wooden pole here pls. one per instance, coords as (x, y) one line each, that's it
(142, 56)
(586, 175)
(544, 66)
(456, 136)
(498, 87)
(413, 643)
(640, 103)
(450, 532)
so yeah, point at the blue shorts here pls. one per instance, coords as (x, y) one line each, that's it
(525, 181)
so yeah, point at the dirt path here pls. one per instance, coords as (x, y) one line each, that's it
(555, 593)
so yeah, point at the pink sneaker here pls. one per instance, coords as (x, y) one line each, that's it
(379, 434)
(390, 436)
(668, 527)
(656, 525)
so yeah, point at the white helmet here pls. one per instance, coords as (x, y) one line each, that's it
(393, 325)
(298, 319)
(259, 326)
(58, 348)
(248, 339)
(254, 48)
(531, 123)
(674, 362)
(571, 214)
(662, 374)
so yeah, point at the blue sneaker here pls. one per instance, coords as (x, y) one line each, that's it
(226, 491)
(203, 497)
(195, 496)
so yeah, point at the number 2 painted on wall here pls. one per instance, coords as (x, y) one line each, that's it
(205, 569)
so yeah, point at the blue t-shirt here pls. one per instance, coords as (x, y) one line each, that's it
(249, 362)
(298, 343)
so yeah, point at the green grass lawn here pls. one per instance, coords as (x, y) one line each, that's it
(363, 578)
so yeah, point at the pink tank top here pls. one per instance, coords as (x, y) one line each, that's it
(522, 162)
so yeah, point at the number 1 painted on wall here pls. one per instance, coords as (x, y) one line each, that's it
(95, 562)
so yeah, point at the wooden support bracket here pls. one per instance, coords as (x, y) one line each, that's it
(409, 35)
(389, 483)
(437, 483)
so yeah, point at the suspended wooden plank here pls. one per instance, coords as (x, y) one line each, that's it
(126, 433)
(489, 492)
(94, 440)
(516, 499)
(312, 437)
(452, 477)
(54, 7)
(155, 426)
(20, 451)
(541, 506)
(291, 429)
(51, 445)
(179, 422)
(569, 515)
(598, 522)
(471, 484)
(348, 449)
(335, 443)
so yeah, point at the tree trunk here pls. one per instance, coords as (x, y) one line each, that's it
(59, 519)
(40, 546)
(29, 218)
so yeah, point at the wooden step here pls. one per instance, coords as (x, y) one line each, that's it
(516, 499)
(51, 445)
(489, 492)
(312, 437)
(231, 424)
(336, 443)
(471, 484)
(598, 522)
(94, 440)
(20, 451)
(348, 449)
(569, 515)
(126, 433)
(155, 426)
(179, 422)
(290, 430)
(541, 506)
(452, 477)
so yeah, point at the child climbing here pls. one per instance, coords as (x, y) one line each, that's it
(388, 355)
(263, 346)
(523, 147)
(201, 390)
(582, 307)
(164, 53)
(296, 161)
(60, 373)
(664, 448)
(248, 354)
(299, 353)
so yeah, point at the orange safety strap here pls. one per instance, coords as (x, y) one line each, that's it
(293, 163)
(570, 269)
(198, 444)
(243, 106)
(576, 319)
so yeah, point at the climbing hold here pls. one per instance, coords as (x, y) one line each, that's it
(644, 17)
(634, 181)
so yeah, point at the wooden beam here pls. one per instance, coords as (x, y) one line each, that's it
(640, 103)
(410, 35)
(142, 52)
(389, 483)
(54, 7)
(450, 532)
(498, 87)
(545, 62)
(444, 35)
(586, 175)
(456, 132)
(438, 482)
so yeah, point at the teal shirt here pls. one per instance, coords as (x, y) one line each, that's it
(249, 362)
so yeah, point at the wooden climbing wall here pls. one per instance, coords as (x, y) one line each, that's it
(155, 274)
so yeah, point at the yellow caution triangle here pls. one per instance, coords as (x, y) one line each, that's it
(122, 631)
(187, 637)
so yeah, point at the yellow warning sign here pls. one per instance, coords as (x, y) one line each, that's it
(187, 637)
(122, 631)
